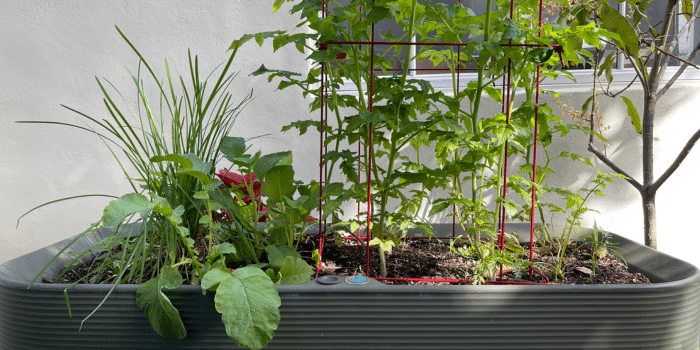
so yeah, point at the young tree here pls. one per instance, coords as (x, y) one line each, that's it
(648, 46)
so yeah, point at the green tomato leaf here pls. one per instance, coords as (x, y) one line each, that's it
(249, 305)
(634, 115)
(163, 316)
(378, 13)
(494, 93)
(294, 270)
(511, 30)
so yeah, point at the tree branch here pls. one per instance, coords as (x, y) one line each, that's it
(680, 71)
(642, 75)
(616, 168)
(676, 163)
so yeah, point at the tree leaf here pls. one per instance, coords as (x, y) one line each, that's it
(586, 105)
(163, 316)
(249, 305)
(634, 115)
(617, 23)
(277, 4)
(687, 9)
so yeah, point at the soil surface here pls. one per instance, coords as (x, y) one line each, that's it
(433, 259)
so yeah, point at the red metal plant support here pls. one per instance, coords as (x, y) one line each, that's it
(507, 89)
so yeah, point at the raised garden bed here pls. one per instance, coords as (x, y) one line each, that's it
(660, 315)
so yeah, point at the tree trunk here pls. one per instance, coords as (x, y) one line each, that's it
(648, 191)
(649, 204)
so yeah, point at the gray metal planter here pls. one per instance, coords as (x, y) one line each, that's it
(661, 315)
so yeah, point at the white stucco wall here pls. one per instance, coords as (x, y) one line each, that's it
(50, 53)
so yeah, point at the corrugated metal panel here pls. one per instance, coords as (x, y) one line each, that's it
(663, 315)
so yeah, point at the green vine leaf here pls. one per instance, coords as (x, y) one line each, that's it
(634, 115)
(249, 305)
(163, 316)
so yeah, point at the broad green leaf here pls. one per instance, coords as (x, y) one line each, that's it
(223, 248)
(277, 254)
(249, 305)
(269, 161)
(129, 204)
(232, 147)
(279, 183)
(294, 270)
(212, 278)
(163, 316)
(617, 23)
(190, 164)
(634, 115)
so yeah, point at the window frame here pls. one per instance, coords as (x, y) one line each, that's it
(443, 81)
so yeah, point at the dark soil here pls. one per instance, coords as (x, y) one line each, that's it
(432, 259)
